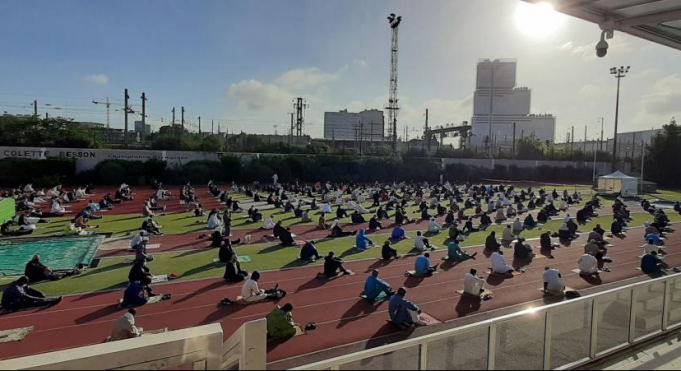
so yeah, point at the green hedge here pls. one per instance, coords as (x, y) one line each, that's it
(41, 173)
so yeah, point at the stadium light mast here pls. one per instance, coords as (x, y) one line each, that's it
(393, 101)
(619, 74)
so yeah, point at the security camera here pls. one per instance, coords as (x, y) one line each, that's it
(602, 47)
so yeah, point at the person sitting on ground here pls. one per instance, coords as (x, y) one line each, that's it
(305, 217)
(518, 227)
(309, 252)
(553, 281)
(150, 226)
(36, 271)
(398, 234)
(491, 244)
(125, 327)
(546, 242)
(138, 293)
(280, 324)
(250, 292)
(363, 242)
(543, 217)
(594, 249)
(269, 224)
(652, 247)
(651, 264)
(454, 233)
(341, 213)
(357, 218)
(20, 296)
(501, 216)
(473, 285)
(507, 236)
(375, 286)
(214, 220)
(455, 253)
(388, 252)
(499, 265)
(564, 233)
(401, 310)
(139, 271)
(530, 223)
(333, 266)
(433, 227)
(374, 224)
(233, 271)
(141, 251)
(286, 237)
(423, 267)
(421, 243)
(588, 265)
(522, 251)
(338, 232)
(617, 228)
(323, 225)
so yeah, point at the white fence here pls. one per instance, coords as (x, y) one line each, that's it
(560, 336)
(199, 348)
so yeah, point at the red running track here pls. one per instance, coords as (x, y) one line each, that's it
(334, 305)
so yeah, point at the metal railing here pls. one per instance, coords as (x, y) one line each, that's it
(559, 336)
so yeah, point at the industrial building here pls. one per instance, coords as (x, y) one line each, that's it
(508, 114)
(366, 126)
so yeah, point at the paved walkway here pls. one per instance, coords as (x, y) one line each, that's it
(664, 354)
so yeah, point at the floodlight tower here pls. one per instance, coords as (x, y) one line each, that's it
(393, 102)
(619, 74)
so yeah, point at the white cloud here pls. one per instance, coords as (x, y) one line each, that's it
(665, 98)
(618, 45)
(306, 78)
(360, 63)
(254, 95)
(99, 79)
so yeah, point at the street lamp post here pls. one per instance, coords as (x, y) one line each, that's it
(619, 74)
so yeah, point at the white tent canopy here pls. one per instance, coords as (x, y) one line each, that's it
(618, 183)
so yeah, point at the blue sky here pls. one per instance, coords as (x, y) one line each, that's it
(241, 62)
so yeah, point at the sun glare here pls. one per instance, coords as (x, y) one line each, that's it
(538, 20)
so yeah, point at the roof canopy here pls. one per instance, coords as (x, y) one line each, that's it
(658, 21)
(618, 176)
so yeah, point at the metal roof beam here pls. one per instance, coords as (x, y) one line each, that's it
(655, 18)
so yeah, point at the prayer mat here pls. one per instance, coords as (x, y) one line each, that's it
(10, 336)
(159, 279)
(245, 259)
(577, 271)
(380, 299)
(515, 273)
(410, 274)
(555, 293)
(153, 300)
(486, 293)
(429, 320)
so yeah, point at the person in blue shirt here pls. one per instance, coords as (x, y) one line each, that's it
(454, 253)
(363, 242)
(137, 294)
(398, 233)
(655, 239)
(650, 264)
(423, 267)
(375, 286)
(20, 296)
(401, 310)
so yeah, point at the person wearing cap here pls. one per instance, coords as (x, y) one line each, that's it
(125, 327)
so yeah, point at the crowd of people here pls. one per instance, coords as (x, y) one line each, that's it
(459, 205)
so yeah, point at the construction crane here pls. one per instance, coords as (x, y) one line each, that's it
(108, 111)
(393, 102)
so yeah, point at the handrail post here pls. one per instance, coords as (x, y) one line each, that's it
(548, 337)
(423, 357)
(665, 304)
(492, 347)
(594, 328)
(632, 316)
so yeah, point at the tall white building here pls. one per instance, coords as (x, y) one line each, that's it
(367, 125)
(511, 105)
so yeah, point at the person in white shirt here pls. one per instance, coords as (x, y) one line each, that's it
(433, 227)
(507, 236)
(137, 239)
(650, 247)
(564, 206)
(499, 264)
(326, 209)
(269, 223)
(125, 328)
(501, 216)
(518, 227)
(473, 285)
(553, 281)
(57, 208)
(251, 293)
(214, 221)
(588, 265)
(421, 243)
